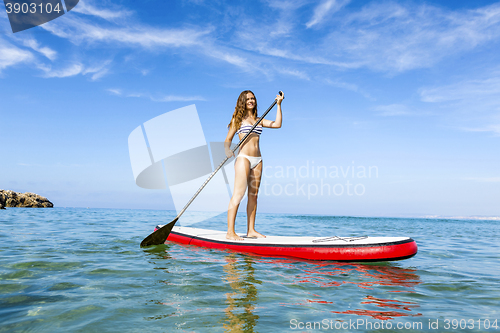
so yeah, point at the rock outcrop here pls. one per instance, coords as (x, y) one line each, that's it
(28, 199)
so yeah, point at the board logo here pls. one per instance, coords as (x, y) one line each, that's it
(26, 14)
(171, 149)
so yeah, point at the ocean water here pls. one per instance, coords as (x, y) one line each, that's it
(82, 270)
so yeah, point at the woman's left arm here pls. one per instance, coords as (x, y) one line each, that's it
(279, 116)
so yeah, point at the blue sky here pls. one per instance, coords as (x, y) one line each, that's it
(410, 89)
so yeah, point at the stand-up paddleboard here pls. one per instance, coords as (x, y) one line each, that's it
(311, 248)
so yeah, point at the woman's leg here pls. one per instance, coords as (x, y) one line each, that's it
(253, 191)
(241, 170)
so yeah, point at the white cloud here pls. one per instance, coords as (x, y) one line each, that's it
(11, 55)
(266, 49)
(193, 40)
(325, 8)
(393, 110)
(85, 7)
(44, 50)
(157, 97)
(293, 72)
(477, 89)
(115, 91)
(484, 179)
(74, 69)
(99, 74)
(230, 58)
(475, 102)
(381, 36)
(287, 4)
(495, 129)
(173, 98)
(396, 38)
(98, 70)
(77, 31)
(340, 84)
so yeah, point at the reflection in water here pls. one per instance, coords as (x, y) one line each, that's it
(241, 301)
(327, 274)
(366, 276)
(384, 303)
(158, 252)
(325, 287)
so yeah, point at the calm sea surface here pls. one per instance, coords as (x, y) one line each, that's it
(82, 270)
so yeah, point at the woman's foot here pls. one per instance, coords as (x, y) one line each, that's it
(255, 234)
(233, 236)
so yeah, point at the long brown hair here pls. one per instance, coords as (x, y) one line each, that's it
(241, 109)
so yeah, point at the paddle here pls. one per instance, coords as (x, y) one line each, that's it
(160, 236)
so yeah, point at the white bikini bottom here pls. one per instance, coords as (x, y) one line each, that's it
(254, 160)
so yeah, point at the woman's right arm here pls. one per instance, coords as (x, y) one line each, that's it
(229, 139)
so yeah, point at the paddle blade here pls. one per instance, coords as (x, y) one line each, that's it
(159, 236)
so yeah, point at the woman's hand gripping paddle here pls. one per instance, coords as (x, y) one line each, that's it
(160, 236)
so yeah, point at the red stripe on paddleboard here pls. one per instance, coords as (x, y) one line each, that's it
(365, 252)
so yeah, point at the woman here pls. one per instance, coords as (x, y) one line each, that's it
(248, 164)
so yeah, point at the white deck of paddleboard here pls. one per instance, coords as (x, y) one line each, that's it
(220, 236)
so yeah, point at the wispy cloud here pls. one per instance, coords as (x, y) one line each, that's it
(484, 179)
(115, 91)
(396, 38)
(476, 101)
(11, 55)
(228, 57)
(77, 31)
(173, 98)
(382, 36)
(293, 72)
(156, 97)
(44, 50)
(56, 165)
(195, 40)
(74, 69)
(87, 8)
(494, 128)
(476, 90)
(324, 9)
(393, 110)
(341, 84)
(98, 70)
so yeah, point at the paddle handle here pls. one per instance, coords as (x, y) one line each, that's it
(227, 158)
